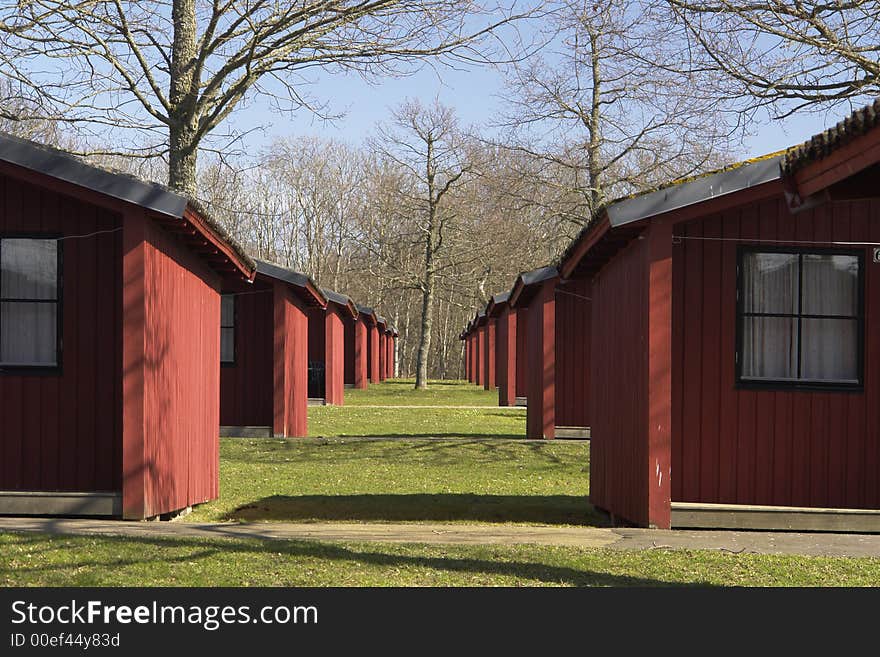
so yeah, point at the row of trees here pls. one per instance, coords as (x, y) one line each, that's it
(426, 218)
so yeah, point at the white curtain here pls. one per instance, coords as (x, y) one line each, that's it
(227, 328)
(28, 331)
(829, 345)
(829, 350)
(770, 285)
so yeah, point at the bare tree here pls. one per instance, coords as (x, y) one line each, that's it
(606, 107)
(789, 55)
(174, 70)
(426, 142)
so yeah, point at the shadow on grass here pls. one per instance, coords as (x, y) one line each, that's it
(534, 509)
(227, 548)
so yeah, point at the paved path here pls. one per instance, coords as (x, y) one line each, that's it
(817, 544)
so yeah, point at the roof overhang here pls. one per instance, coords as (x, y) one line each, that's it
(623, 221)
(367, 314)
(176, 213)
(497, 304)
(303, 285)
(342, 301)
(677, 196)
(843, 162)
(528, 284)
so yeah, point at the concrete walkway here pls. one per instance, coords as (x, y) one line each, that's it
(738, 542)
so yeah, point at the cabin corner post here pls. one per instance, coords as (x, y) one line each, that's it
(280, 362)
(389, 363)
(298, 357)
(360, 354)
(374, 353)
(334, 358)
(134, 366)
(489, 354)
(659, 368)
(541, 409)
(506, 337)
(383, 355)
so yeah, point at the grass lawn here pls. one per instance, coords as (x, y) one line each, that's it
(400, 392)
(460, 476)
(415, 422)
(402, 480)
(39, 560)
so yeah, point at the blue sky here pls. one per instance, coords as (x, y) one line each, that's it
(475, 95)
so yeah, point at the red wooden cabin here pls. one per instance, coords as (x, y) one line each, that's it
(382, 349)
(373, 348)
(109, 339)
(467, 337)
(327, 348)
(264, 353)
(357, 338)
(390, 340)
(479, 348)
(504, 317)
(736, 365)
(557, 381)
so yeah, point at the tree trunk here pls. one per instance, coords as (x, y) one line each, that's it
(427, 323)
(595, 166)
(183, 95)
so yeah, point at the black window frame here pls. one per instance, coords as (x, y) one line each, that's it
(57, 368)
(234, 327)
(799, 384)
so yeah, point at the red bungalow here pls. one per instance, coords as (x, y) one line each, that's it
(109, 355)
(264, 354)
(557, 377)
(467, 337)
(382, 350)
(466, 347)
(327, 349)
(390, 340)
(736, 361)
(510, 349)
(488, 348)
(479, 349)
(504, 317)
(357, 339)
(373, 347)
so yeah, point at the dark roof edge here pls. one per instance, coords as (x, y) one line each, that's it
(701, 189)
(70, 168)
(289, 276)
(152, 196)
(538, 275)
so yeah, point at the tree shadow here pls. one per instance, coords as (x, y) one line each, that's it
(289, 552)
(441, 507)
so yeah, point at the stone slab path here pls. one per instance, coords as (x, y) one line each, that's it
(811, 544)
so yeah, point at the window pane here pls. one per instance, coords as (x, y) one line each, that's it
(227, 345)
(770, 283)
(227, 310)
(28, 334)
(29, 269)
(769, 348)
(830, 350)
(831, 285)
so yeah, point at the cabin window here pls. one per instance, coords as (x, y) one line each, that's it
(30, 285)
(800, 318)
(227, 329)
